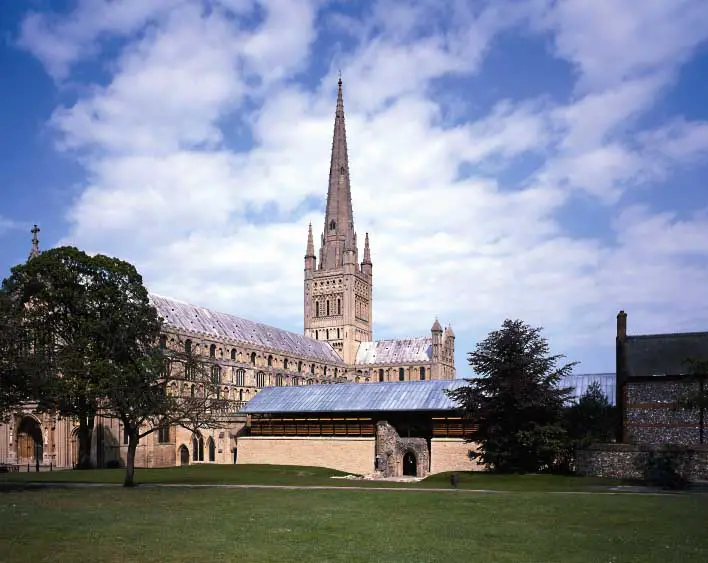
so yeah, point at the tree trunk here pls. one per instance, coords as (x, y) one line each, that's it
(84, 436)
(130, 459)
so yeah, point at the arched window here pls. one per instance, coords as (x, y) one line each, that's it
(381, 374)
(233, 354)
(312, 368)
(338, 334)
(260, 379)
(317, 335)
(270, 361)
(325, 371)
(197, 448)
(332, 225)
(401, 374)
(299, 367)
(317, 308)
(285, 363)
(216, 379)
(212, 351)
(328, 307)
(422, 374)
(335, 372)
(240, 376)
(212, 449)
(339, 306)
(187, 346)
(279, 380)
(253, 358)
(191, 391)
(240, 394)
(327, 334)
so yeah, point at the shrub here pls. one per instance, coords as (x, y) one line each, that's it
(667, 467)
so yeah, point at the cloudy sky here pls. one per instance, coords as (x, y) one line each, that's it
(539, 160)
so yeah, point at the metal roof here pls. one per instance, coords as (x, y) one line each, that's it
(183, 316)
(355, 397)
(397, 351)
(582, 381)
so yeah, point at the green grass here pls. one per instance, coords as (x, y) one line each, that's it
(306, 476)
(167, 524)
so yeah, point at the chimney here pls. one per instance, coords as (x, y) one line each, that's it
(621, 325)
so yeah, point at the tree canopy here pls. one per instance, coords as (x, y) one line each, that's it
(592, 419)
(515, 403)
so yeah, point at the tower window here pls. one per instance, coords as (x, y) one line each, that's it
(332, 225)
(339, 306)
(328, 307)
(317, 308)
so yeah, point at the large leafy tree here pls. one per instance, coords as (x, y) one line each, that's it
(515, 403)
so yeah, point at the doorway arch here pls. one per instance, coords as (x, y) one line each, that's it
(410, 464)
(30, 444)
(183, 455)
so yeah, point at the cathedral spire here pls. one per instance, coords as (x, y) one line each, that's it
(35, 243)
(339, 217)
(367, 251)
(310, 253)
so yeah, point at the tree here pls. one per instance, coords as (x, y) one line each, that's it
(144, 392)
(15, 387)
(591, 419)
(515, 404)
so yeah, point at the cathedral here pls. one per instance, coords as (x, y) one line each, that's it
(337, 347)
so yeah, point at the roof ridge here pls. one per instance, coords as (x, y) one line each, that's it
(668, 334)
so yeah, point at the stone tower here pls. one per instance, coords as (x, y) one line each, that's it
(338, 289)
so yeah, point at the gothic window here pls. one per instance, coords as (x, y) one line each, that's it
(328, 307)
(187, 346)
(163, 341)
(233, 354)
(212, 351)
(299, 367)
(163, 434)
(212, 449)
(401, 375)
(197, 448)
(260, 379)
(317, 308)
(253, 358)
(270, 361)
(381, 374)
(339, 306)
(422, 374)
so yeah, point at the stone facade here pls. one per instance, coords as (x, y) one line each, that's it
(623, 461)
(452, 454)
(246, 356)
(351, 455)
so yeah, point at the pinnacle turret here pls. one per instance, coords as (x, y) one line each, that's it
(35, 243)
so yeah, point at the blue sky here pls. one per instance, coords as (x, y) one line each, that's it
(536, 160)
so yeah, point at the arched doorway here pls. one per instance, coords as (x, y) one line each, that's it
(183, 455)
(410, 464)
(29, 441)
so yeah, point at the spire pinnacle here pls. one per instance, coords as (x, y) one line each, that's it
(35, 242)
(367, 251)
(310, 253)
(339, 217)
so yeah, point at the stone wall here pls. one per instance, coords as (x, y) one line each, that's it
(622, 461)
(352, 455)
(650, 417)
(451, 454)
(391, 448)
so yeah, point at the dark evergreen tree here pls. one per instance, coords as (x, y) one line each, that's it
(515, 402)
(592, 419)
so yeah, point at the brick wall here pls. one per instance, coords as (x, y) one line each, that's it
(450, 454)
(352, 455)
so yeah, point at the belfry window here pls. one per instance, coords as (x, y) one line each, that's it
(332, 225)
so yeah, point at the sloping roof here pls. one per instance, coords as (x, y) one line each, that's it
(355, 397)
(184, 316)
(664, 354)
(397, 351)
(581, 382)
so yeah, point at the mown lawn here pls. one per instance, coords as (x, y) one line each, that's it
(306, 476)
(211, 524)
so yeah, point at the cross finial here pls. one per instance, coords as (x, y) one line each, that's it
(340, 76)
(35, 242)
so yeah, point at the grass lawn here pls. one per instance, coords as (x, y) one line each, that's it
(168, 524)
(306, 476)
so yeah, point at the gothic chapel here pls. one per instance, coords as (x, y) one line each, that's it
(337, 346)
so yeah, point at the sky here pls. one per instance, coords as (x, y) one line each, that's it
(534, 160)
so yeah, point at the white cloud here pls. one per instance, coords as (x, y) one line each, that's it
(228, 228)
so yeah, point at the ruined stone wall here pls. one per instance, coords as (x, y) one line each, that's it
(391, 448)
(623, 461)
(352, 455)
(451, 454)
